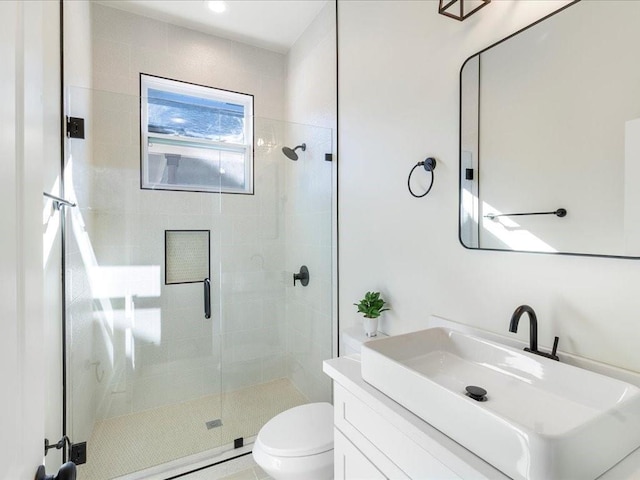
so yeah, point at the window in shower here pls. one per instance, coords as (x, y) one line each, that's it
(195, 138)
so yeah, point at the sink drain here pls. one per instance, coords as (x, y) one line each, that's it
(478, 394)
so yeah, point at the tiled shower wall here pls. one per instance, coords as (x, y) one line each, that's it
(310, 99)
(152, 342)
(308, 242)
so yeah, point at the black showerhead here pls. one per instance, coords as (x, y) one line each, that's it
(291, 152)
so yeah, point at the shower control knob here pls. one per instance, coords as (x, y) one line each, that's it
(303, 276)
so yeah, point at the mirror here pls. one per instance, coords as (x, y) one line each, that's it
(550, 124)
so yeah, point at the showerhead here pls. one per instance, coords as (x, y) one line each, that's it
(291, 152)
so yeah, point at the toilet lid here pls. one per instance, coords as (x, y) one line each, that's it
(299, 431)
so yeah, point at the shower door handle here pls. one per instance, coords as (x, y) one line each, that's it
(207, 298)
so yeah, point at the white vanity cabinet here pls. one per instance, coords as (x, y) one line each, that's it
(351, 463)
(376, 438)
(369, 437)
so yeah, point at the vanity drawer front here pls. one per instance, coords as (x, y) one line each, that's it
(351, 463)
(360, 423)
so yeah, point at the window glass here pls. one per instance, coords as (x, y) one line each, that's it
(195, 138)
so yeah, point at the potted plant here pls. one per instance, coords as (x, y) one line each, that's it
(371, 306)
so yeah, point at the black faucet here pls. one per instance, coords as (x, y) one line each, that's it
(533, 331)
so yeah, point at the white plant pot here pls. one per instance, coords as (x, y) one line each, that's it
(370, 326)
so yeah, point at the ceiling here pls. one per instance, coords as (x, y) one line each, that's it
(271, 24)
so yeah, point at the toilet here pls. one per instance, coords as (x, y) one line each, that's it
(353, 338)
(298, 443)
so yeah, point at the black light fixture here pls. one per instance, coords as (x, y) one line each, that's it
(460, 9)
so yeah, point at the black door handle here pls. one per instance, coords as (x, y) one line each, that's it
(207, 298)
(66, 472)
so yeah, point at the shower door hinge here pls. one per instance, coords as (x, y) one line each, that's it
(75, 127)
(328, 157)
(468, 174)
(60, 444)
(78, 453)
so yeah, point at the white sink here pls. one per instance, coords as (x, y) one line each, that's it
(542, 419)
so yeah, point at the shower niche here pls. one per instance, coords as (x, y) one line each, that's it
(180, 383)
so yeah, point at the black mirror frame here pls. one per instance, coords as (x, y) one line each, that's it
(564, 7)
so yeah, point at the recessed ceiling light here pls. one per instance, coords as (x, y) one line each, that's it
(217, 6)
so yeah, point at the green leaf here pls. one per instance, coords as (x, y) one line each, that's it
(371, 305)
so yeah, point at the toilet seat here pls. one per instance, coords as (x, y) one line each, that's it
(298, 432)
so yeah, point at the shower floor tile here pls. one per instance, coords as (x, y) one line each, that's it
(134, 442)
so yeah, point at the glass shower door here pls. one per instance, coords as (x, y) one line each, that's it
(143, 362)
(151, 381)
(274, 335)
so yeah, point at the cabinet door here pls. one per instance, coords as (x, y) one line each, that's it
(383, 442)
(350, 463)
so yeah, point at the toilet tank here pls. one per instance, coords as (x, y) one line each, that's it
(351, 340)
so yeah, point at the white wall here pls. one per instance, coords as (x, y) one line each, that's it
(399, 63)
(124, 45)
(22, 405)
(310, 96)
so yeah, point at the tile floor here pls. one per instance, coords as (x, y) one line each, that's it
(243, 468)
(249, 474)
(137, 441)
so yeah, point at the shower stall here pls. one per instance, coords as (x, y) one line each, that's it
(185, 330)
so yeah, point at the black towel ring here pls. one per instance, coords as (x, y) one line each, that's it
(429, 165)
